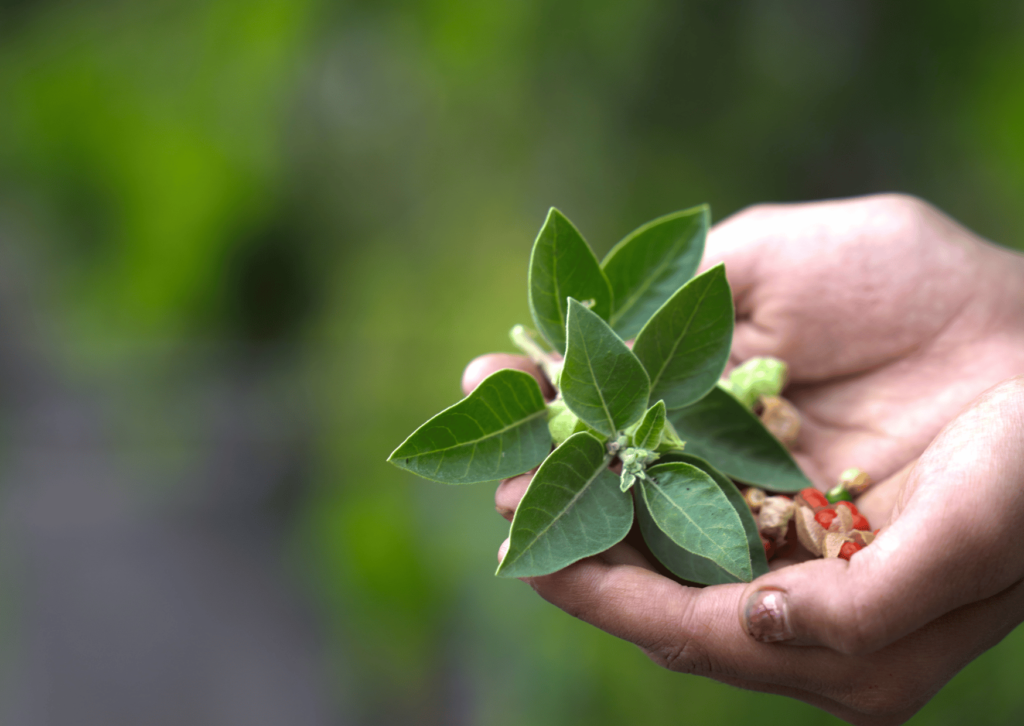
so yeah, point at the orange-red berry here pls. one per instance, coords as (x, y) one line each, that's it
(861, 522)
(769, 547)
(824, 517)
(813, 497)
(848, 548)
(849, 505)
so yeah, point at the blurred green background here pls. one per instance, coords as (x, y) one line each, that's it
(246, 246)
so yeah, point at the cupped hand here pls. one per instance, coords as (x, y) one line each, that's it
(893, 320)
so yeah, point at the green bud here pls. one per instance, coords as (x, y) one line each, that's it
(760, 376)
(562, 422)
(838, 493)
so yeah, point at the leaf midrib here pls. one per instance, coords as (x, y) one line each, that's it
(632, 299)
(554, 520)
(658, 488)
(681, 337)
(511, 426)
(593, 377)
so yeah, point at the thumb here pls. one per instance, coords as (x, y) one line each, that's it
(955, 541)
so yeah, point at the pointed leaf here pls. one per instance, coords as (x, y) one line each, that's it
(722, 430)
(688, 506)
(572, 509)
(685, 346)
(562, 265)
(497, 431)
(695, 568)
(602, 381)
(651, 263)
(648, 433)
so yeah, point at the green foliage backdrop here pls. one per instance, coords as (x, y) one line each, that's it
(354, 187)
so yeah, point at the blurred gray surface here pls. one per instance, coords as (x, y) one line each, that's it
(143, 579)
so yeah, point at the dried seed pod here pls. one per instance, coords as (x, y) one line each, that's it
(843, 523)
(855, 481)
(810, 533)
(863, 537)
(773, 519)
(781, 418)
(754, 498)
(834, 542)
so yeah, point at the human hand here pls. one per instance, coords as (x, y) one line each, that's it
(943, 581)
(891, 316)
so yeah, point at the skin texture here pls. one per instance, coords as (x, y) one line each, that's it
(904, 333)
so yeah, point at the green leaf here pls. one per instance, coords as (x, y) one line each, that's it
(572, 509)
(685, 346)
(695, 568)
(602, 381)
(562, 265)
(648, 433)
(722, 430)
(651, 263)
(497, 431)
(689, 506)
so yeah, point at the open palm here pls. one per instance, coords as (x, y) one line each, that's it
(903, 332)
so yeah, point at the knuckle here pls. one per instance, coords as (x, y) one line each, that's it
(685, 655)
(684, 649)
(904, 211)
(854, 630)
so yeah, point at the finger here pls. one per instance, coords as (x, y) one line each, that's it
(692, 631)
(483, 366)
(953, 541)
(686, 629)
(878, 502)
(749, 243)
(509, 492)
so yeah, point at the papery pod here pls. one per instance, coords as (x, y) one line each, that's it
(808, 531)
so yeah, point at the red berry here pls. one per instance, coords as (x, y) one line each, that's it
(851, 506)
(848, 548)
(769, 547)
(813, 497)
(824, 517)
(861, 522)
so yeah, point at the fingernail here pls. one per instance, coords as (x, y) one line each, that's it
(767, 616)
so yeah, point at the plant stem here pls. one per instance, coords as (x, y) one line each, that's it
(526, 340)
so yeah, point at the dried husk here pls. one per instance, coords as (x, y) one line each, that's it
(863, 537)
(808, 531)
(773, 519)
(754, 498)
(855, 481)
(843, 523)
(834, 542)
(781, 418)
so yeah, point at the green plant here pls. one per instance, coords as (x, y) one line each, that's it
(655, 411)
